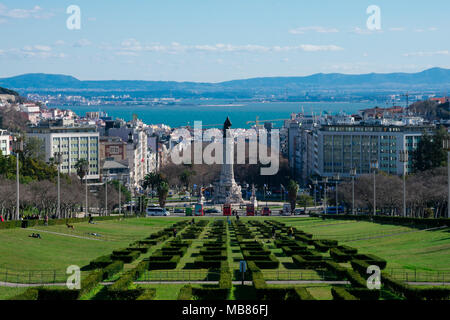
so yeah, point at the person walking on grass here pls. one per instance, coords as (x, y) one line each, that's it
(273, 232)
(174, 232)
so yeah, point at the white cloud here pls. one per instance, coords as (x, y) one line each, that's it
(36, 12)
(32, 51)
(132, 47)
(82, 43)
(317, 29)
(397, 29)
(427, 53)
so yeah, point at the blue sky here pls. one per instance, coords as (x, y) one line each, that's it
(211, 40)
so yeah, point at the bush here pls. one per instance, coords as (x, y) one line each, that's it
(112, 269)
(185, 293)
(302, 263)
(125, 295)
(57, 294)
(342, 294)
(207, 293)
(371, 260)
(156, 264)
(365, 294)
(149, 294)
(355, 279)
(335, 268)
(91, 281)
(101, 262)
(303, 294)
(126, 258)
(339, 256)
(29, 294)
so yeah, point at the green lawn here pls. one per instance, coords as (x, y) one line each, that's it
(422, 250)
(56, 252)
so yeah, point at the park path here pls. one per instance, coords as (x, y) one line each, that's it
(13, 285)
(65, 234)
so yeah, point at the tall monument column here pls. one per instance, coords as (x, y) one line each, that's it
(226, 189)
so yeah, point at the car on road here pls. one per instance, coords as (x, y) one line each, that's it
(266, 211)
(212, 210)
(178, 210)
(157, 211)
(299, 211)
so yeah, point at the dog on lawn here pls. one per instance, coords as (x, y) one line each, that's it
(70, 226)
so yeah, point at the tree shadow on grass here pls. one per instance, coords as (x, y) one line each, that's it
(244, 292)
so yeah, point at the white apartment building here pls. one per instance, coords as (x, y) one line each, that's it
(74, 143)
(5, 143)
(343, 147)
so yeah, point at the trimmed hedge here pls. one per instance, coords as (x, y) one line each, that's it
(365, 294)
(29, 294)
(371, 260)
(91, 281)
(156, 262)
(302, 263)
(101, 262)
(112, 269)
(342, 294)
(57, 294)
(303, 294)
(149, 294)
(185, 293)
(339, 256)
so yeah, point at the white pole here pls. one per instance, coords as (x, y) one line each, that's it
(18, 183)
(106, 197)
(353, 195)
(404, 193)
(374, 195)
(448, 204)
(58, 213)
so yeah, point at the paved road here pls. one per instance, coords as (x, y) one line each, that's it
(303, 282)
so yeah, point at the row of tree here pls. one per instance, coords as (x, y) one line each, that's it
(426, 194)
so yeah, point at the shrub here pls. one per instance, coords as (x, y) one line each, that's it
(112, 269)
(302, 263)
(355, 279)
(339, 256)
(364, 293)
(149, 294)
(303, 294)
(126, 258)
(127, 295)
(342, 294)
(57, 294)
(91, 281)
(185, 293)
(371, 260)
(101, 262)
(156, 264)
(29, 294)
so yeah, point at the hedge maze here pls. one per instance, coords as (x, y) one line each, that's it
(214, 247)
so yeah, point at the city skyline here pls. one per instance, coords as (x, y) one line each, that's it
(218, 41)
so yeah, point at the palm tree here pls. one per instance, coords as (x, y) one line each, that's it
(185, 177)
(82, 167)
(152, 179)
(292, 193)
(163, 191)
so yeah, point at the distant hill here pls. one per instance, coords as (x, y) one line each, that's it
(435, 78)
(7, 91)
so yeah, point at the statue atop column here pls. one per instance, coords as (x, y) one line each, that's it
(226, 189)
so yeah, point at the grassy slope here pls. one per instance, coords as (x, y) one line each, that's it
(426, 250)
(56, 252)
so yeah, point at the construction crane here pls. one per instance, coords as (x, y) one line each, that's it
(257, 121)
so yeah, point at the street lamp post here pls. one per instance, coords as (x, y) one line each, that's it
(404, 158)
(58, 160)
(353, 175)
(106, 194)
(374, 167)
(336, 178)
(325, 180)
(120, 191)
(446, 145)
(17, 148)
(85, 169)
(315, 194)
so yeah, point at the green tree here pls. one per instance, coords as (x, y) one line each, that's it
(292, 193)
(34, 148)
(82, 167)
(153, 179)
(163, 191)
(430, 153)
(186, 176)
